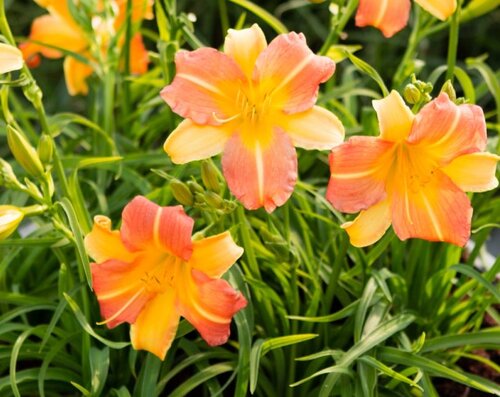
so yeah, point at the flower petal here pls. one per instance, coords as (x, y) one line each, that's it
(208, 305)
(447, 130)
(316, 128)
(146, 224)
(190, 142)
(390, 16)
(474, 172)
(258, 175)
(11, 58)
(205, 86)
(291, 72)
(103, 244)
(54, 31)
(244, 46)
(441, 9)
(370, 225)
(10, 218)
(119, 289)
(215, 255)
(155, 328)
(139, 58)
(394, 117)
(438, 212)
(76, 73)
(359, 169)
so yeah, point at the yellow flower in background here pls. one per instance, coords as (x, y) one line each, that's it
(59, 31)
(10, 218)
(11, 58)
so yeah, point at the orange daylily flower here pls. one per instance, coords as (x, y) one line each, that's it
(415, 173)
(150, 273)
(58, 30)
(254, 102)
(390, 16)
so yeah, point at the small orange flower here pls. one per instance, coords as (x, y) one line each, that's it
(390, 16)
(254, 102)
(150, 273)
(415, 173)
(58, 30)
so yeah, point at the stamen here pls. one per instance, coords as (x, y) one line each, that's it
(224, 121)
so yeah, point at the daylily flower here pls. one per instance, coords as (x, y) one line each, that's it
(10, 58)
(59, 31)
(10, 218)
(150, 273)
(390, 16)
(253, 102)
(415, 173)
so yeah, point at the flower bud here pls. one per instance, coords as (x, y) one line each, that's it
(11, 58)
(214, 200)
(7, 176)
(45, 149)
(209, 176)
(24, 153)
(10, 218)
(412, 94)
(194, 187)
(448, 89)
(181, 192)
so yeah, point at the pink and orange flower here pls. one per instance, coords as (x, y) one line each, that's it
(414, 174)
(254, 102)
(58, 31)
(151, 272)
(390, 16)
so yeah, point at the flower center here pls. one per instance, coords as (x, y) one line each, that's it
(414, 167)
(163, 273)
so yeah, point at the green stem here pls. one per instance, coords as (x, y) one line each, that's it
(334, 34)
(411, 49)
(247, 242)
(453, 43)
(224, 19)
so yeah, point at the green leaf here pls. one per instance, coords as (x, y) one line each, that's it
(338, 52)
(272, 21)
(83, 260)
(490, 336)
(368, 70)
(396, 356)
(99, 365)
(262, 346)
(87, 328)
(201, 377)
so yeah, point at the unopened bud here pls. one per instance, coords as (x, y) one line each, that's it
(449, 90)
(195, 187)
(7, 176)
(45, 149)
(10, 218)
(214, 200)
(209, 176)
(412, 94)
(181, 192)
(24, 153)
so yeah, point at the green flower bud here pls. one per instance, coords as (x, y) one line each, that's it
(412, 94)
(448, 89)
(214, 200)
(7, 176)
(209, 176)
(45, 149)
(10, 218)
(24, 153)
(181, 192)
(195, 187)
